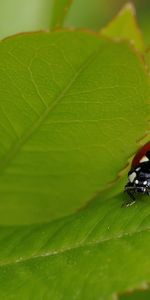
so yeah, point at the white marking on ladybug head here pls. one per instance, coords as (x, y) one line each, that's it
(144, 159)
(145, 182)
(136, 181)
(132, 176)
(138, 169)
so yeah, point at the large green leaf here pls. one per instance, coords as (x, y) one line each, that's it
(125, 27)
(72, 107)
(95, 254)
(23, 15)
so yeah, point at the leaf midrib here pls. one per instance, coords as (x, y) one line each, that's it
(15, 148)
(77, 246)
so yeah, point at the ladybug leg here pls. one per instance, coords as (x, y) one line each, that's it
(131, 195)
(148, 193)
(130, 203)
(131, 199)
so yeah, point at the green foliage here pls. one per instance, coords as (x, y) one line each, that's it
(74, 107)
(124, 27)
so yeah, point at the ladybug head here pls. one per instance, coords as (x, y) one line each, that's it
(139, 179)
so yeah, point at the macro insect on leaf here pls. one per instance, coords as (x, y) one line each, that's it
(139, 175)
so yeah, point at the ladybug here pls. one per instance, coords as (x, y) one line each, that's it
(139, 175)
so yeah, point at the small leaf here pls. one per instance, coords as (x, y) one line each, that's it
(124, 27)
(72, 108)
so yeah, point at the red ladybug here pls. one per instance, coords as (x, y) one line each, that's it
(139, 175)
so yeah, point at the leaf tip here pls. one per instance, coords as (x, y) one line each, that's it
(129, 6)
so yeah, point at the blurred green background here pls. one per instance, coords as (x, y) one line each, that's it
(31, 15)
(96, 13)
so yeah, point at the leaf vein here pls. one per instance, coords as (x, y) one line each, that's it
(77, 246)
(17, 146)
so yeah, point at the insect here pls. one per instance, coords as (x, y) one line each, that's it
(139, 175)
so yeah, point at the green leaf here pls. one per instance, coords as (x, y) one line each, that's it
(59, 11)
(72, 107)
(95, 254)
(124, 27)
(23, 15)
